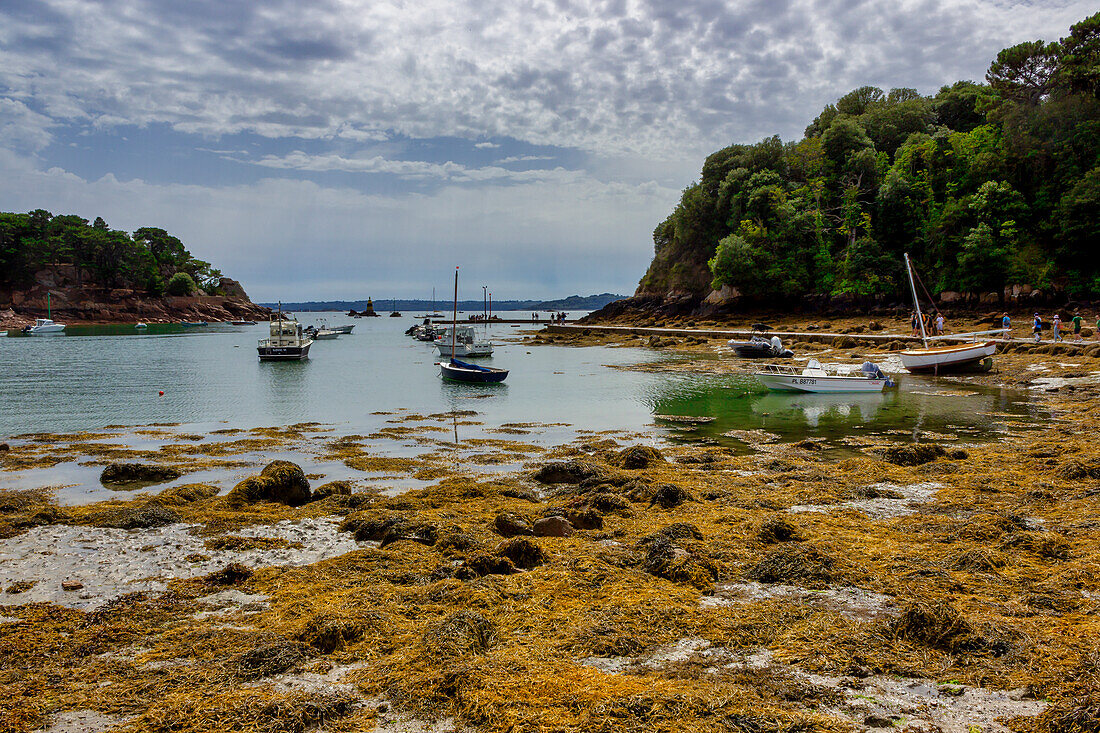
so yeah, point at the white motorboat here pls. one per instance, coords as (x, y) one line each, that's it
(466, 343)
(816, 378)
(285, 342)
(324, 334)
(44, 327)
(141, 325)
(342, 329)
(943, 358)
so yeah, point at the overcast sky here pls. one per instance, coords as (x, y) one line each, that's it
(351, 148)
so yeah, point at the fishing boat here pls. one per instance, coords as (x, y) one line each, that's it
(943, 358)
(816, 378)
(194, 324)
(463, 341)
(45, 326)
(242, 323)
(285, 342)
(342, 329)
(460, 371)
(141, 325)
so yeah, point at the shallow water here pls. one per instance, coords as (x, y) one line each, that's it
(212, 379)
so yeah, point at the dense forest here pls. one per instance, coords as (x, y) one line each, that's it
(985, 185)
(150, 261)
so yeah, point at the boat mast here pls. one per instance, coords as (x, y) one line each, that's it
(916, 303)
(49, 313)
(454, 318)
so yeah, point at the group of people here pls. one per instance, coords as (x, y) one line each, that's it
(558, 317)
(1055, 327)
(933, 325)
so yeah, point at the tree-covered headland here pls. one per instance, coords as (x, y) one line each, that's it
(149, 261)
(985, 185)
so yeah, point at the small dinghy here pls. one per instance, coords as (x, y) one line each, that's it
(816, 378)
(460, 371)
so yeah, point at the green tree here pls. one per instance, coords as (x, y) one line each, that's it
(181, 284)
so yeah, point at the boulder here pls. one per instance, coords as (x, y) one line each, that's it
(332, 488)
(553, 527)
(280, 481)
(137, 473)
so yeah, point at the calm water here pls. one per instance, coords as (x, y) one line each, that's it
(112, 376)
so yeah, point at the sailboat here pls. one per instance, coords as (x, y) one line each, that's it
(941, 358)
(460, 371)
(45, 326)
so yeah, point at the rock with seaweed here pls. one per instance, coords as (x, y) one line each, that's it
(137, 473)
(280, 481)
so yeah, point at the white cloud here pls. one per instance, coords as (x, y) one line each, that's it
(486, 146)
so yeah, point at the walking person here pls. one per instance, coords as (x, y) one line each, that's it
(1037, 327)
(1076, 321)
(1006, 324)
(1056, 327)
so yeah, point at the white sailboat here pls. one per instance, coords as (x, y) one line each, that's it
(941, 358)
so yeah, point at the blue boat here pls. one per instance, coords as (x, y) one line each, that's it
(460, 371)
(194, 324)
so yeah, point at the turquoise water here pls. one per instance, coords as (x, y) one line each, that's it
(211, 377)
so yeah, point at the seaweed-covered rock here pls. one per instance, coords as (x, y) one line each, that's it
(1076, 469)
(482, 563)
(670, 496)
(674, 531)
(585, 518)
(913, 454)
(460, 635)
(508, 524)
(332, 488)
(141, 517)
(567, 472)
(665, 559)
(608, 502)
(328, 632)
(271, 655)
(232, 574)
(793, 565)
(280, 481)
(186, 494)
(778, 528)
(453, 540)
(640, 456)
(934, 624)
(553, 527)
(137, 473)
(371, 527)
(522, 552)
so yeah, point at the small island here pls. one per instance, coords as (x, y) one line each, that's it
(90, 273)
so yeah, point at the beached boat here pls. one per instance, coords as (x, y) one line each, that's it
(285, 342)
(816, 378)
(758, 347)
(459, 371)
(943, 358)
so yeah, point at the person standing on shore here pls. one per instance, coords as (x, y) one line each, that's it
(939, 324)
(1076, 321)
(1037, 327)
(916, 328)
(1006, 324)
(1056, 327)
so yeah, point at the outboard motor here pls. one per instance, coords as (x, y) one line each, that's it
(873, 371)
(778, 350)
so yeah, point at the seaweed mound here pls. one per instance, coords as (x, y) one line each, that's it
(640, 456)
(186, 494)
(328, 633)
(460, 635)
(332, 488)
(522, 552)
(137, 473)
(670, 555)
(271, 655)
(793, 565)
(778, 529)
(567, 472)
(913, 454)
(280, 481)
(142, 517)
(389, 528)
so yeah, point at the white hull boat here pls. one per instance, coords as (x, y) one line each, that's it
(946, 357)
(44, 327)
(815, 378)
(286, 340)
(478, 348)
(342, 329)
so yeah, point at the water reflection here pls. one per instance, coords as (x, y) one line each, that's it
(720, 410)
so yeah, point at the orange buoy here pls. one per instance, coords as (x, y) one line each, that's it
(162, 393)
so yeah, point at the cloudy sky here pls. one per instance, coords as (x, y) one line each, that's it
(323, 149)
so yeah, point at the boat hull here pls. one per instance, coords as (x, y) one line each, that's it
(799, 383)
(342, 329)
(54, 330)
(464, 350)
(283, 353)
(947, 357)
(457, 371)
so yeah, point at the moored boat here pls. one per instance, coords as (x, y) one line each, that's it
(44, 327)
(816, 378)
(758, 347)
(460, 371)
(285, 342)
(464, 342)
